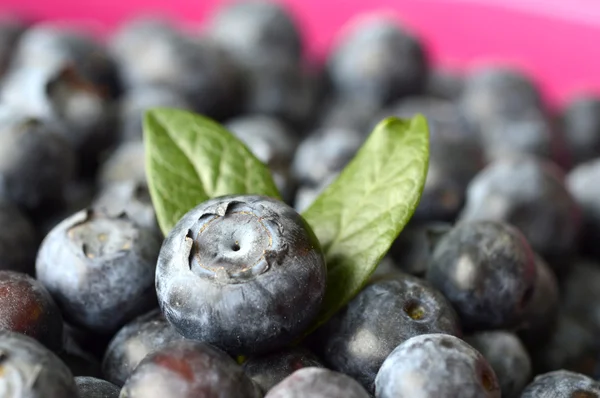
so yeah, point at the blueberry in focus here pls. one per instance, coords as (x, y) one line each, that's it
(507, 355)
(31, 370)
(91, 387)
(26, 307)
(388, 311)
(379, 60)
(318, 383)
(36, 162)
(256, 30)
(125, 163)
(580, 121)
(583, 185)
(529, 193)
(100, 269)
(455, 155)
(270, 369)
(436, 365)
(189, 369)
(18, 240)
(562, 383)
(244, 273)
(133, 342)
(486, 269)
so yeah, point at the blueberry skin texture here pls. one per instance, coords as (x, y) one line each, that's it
(583, 184)
(36, 162)
(100, 269)
(189, 369)
(379, 60)
(270, 369)
(26, 307)
(91, 387)
(436, 365)
(388, 311)
(125, 163)
(251, 31)
(580, 121)
(507, 355)
(487, 271)
(317, 383)
(531, 194)
(18, 240)
(541, 312)
(562, 383)
(264, 278)
(133, 342)
(31, 370)
(456, 155)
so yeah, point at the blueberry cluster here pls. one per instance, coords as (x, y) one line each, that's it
(490, 291)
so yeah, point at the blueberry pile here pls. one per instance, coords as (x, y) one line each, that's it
(491, 290)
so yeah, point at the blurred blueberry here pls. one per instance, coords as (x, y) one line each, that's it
(379, 60)
(529, 193)
(91, 387)
(317, 383)
(191, 369)
(242, 272)
(351, 113)
(18, 240)
(445, 84)
(306, 194)
(11, 28)
(389, 310)
(436, 365)
(580, 121)
(580, 297)
(252, 31)
(134, 342)
(31, 370)
(507, 355)
(562, 383)
(100, 269)
(583, 183)
(126, 163)
(270, 369)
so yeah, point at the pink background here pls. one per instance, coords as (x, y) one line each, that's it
(556, 41)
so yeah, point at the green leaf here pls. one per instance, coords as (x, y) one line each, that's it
(362, 212)
(190, 159)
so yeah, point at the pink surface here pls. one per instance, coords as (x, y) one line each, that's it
(556, 41)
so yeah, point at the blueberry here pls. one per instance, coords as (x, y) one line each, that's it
(26, 307)
(256, 30)
(270, 369)
(379, 60)
(562, 383)
(388, 311)
(325, 152)
(494, 92)
(580, 121)
(100, 269)
(138, 100)
(129, 197)
(18, 240)
(455, 155)
(272, 142)
(188, 369)
(244, 273)
(126, 163)
(36, 162)
(79, 361)
(507, 355)
(487, 271)
(318, 383)
(306, 194)
(11, 28)
(31, 370)
(580, 296)
(583, 183)
(572, 345)
(541, 313)
(530, 194)
(436, 365)
(349, 113)
(445, 84)
(196, 68)
(133, 342)
(91, 387)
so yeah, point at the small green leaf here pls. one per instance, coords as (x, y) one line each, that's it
(358, 217)
(190, 159)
